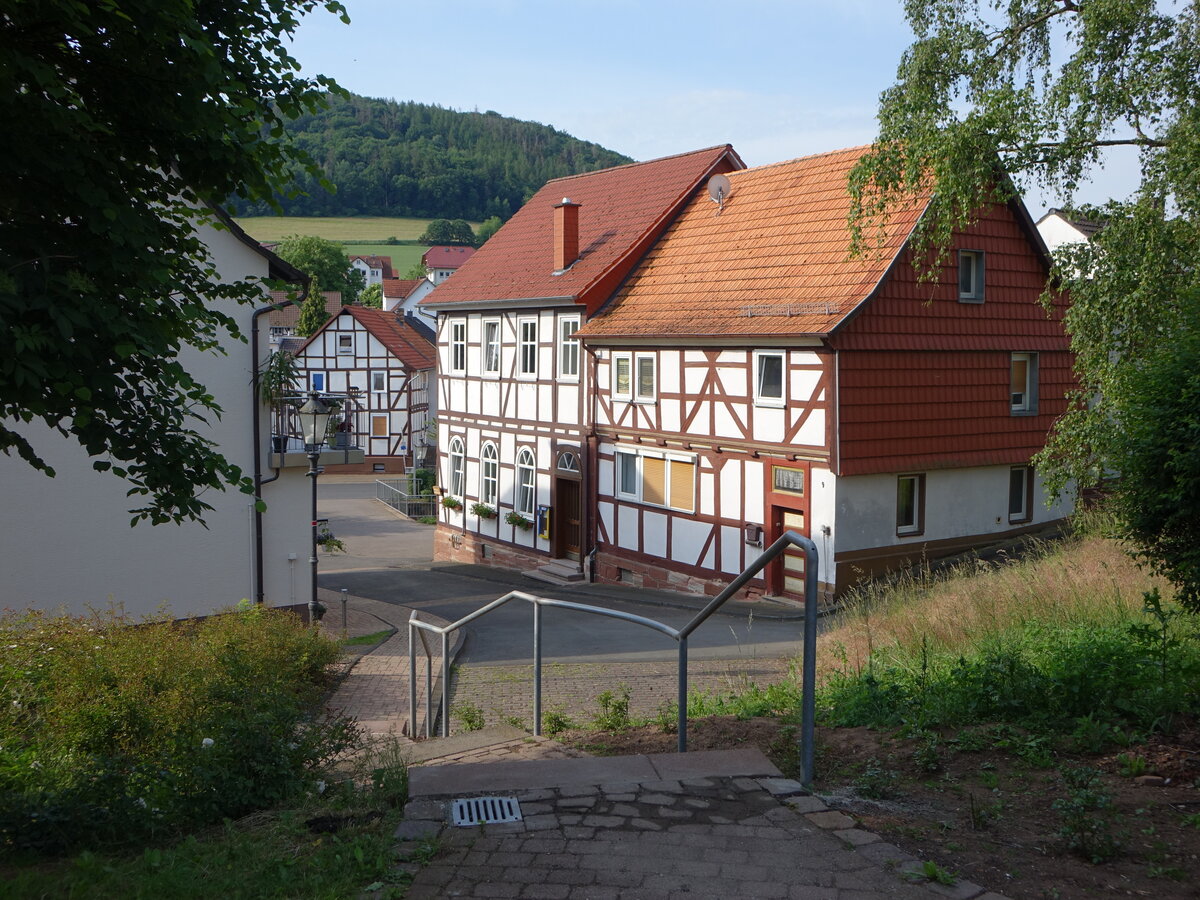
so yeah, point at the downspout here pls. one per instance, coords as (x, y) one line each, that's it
(259, 481)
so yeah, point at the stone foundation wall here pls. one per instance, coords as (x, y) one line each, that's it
(451, 544)
(392, 465)
(613, 569)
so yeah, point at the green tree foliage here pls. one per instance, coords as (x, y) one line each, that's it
(443, 231)
(1044, 89)
(487, 228)
(325, 262)
(312, 314)
(127, 119)
(416, 270)
(412, 159)
(372, 296)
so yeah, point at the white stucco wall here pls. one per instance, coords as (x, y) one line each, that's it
(958, 503)
(68, 542)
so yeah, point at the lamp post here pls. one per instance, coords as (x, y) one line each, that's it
(314, 420)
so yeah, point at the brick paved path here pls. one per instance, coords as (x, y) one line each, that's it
(505, 693)
(718, 837)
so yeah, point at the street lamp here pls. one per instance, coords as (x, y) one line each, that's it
(314, 420)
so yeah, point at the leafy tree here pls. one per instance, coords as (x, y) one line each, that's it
(416, 270)
(325, 262)
(443, 231)
(312, 314)
(372, 296)
(487, 228)
(133, 117)
(1043, 89)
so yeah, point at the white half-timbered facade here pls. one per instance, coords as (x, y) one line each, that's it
(387, 363)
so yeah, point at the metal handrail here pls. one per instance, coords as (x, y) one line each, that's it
(808, 668)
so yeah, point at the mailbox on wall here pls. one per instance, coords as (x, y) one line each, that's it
(543, 522)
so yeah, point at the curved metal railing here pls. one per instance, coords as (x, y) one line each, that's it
(417, 629)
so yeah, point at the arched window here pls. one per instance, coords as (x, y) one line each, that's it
(525, 482)
(489, 475)
(568, 462)
(457, 466)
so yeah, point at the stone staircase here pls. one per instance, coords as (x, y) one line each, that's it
(561, 572)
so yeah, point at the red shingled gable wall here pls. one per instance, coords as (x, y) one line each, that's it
(924, 379)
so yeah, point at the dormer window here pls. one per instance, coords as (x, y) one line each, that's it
(970, 276)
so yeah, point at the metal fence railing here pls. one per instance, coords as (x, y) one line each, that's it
(395, 495)
(417, 630)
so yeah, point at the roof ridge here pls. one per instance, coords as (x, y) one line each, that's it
(788, 162)
(644, 162)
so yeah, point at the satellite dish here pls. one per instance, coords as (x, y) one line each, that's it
(718, 190)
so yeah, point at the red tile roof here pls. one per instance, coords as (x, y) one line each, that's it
(289, 315)
(446, 257)
(401, 339)
(622, 211)
(383, 263)
(773, 261)
(399, 288)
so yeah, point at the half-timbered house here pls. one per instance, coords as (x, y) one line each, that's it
(752, 377)
(387, 362)
(514, 394)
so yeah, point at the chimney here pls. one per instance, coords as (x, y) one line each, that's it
(566, 234)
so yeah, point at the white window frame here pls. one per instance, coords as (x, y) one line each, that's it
(345, 344)
(387, 426)
(761, 399)
(525, 495)
(489, 475)
(317, 382)
(458, 346)
(640, 396)
(971, 264)
(489, 361)
(379, 382)
(458, 467)
(617, 392)
(1025, 402)
(1023, 513)
(527, 347)
(568, 349)
(915, 525)
(626, 456)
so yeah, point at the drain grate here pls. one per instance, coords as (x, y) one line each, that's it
(485, 810)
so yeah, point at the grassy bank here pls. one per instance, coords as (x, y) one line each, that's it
(358, 230)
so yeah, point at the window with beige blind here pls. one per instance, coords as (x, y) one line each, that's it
(658, 479)
(379, 426)
(1023, 378)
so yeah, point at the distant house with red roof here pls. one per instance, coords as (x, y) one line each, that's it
(442, 262)
(374, 268)
(282, 322)
(386, 361)
(665, 384)
(406, 294)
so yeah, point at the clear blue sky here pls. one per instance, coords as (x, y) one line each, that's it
(776, 78)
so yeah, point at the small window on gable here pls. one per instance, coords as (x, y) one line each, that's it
(317, 381)
(622, 385)
(458, 346)
(345, 344)
(1023, 384)
(645, 387)
(768, 380)
(1020, 493)
(970, 276)
(910, 504)
(379, 382)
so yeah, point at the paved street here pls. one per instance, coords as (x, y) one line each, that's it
(389, 559)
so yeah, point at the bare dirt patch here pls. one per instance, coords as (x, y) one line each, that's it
(989, 815)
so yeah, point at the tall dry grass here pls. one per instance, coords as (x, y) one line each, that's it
(1086, 579)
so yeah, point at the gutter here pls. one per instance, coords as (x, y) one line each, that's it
(259, 481)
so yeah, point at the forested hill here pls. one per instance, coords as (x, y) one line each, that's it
(412, 159)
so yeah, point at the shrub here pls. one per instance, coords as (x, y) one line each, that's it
(113, 731)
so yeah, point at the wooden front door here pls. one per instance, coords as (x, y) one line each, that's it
(568, 519)
(786, 574)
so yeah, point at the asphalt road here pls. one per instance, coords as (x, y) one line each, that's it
(390, 559)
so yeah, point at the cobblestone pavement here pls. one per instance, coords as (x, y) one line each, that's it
(719, 837)
(505, 693)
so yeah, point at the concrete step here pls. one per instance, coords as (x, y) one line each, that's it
(559, 571)
(463, 742)
(468, 778)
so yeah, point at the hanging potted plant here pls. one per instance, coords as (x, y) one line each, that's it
(515, 518)
(451, 502)
(483, 510)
